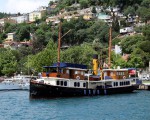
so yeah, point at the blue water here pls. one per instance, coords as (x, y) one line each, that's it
(16, 105)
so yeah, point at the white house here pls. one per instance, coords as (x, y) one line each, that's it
(21, 19)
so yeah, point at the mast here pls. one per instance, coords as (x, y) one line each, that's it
(109, 49)
(59, 43)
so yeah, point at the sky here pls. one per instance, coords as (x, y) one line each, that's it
(22, 6)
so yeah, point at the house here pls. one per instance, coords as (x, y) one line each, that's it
(38, 14)
(10, 36)
(88, 16)
(126, 30)
(21, 19)
(103, 17)
(7, 20)
(10, 44)
(15, 45)
(53, 19)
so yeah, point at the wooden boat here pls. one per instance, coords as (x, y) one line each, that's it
(76, 80)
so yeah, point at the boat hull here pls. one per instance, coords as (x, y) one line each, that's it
(40, 90)
(9, 86)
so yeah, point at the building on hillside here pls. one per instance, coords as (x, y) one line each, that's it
(50, 8)
(10, 44)
(15, 45)
(11, 36)
(126, 30)
(21, 19)
(103, 17)
(7, 20)
(53, 19)
(88, 16)
(38, 14)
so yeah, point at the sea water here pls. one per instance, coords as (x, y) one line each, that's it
(16, 105)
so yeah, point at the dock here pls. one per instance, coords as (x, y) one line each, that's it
(143, 85)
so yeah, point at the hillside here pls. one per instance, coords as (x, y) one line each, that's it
(86, 37)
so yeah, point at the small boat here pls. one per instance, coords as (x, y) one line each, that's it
(75, 80)
(19, 82)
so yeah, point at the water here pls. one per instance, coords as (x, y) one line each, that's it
(16, 105)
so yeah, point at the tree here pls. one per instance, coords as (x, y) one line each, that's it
(94, 10)
(44, 58)
(79, 54)
(128, 44)
(8, 62)
(144, 10)
(83, 3)
(39, 40)
(23, 33)
(146, 32)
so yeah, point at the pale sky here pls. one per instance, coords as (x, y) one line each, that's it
(22, 6)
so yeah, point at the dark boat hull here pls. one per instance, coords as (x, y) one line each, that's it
(39, 90)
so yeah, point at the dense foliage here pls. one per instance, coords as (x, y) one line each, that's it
(84, 39)
(3, 15)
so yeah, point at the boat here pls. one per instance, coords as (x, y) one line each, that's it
(69, 79)
(18, 82)
(76, 80)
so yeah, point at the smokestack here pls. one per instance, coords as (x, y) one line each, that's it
(95, 64)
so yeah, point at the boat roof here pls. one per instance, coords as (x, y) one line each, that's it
(115, 69)
(67, 65)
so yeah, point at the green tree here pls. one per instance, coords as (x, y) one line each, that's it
(79, 54)
(8, 62)
(44, 58)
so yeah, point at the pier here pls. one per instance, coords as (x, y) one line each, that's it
(144, 87)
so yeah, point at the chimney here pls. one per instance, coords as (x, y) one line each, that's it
(95, 64)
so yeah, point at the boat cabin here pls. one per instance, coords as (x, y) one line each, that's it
(116, 74)
(65, 70)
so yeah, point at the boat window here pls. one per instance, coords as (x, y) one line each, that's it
(67, 71)
(75, 84)
(58, 82)
(105, 73)
(116, 83)
(84, 84)
(82, 73)
(76, 72)
(111, 73)
(78, 84)
(120, 83)
(124, 83)
(65, 83)
(61, 82)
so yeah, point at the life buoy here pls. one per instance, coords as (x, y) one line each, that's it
(124, 77)
(78, 77)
